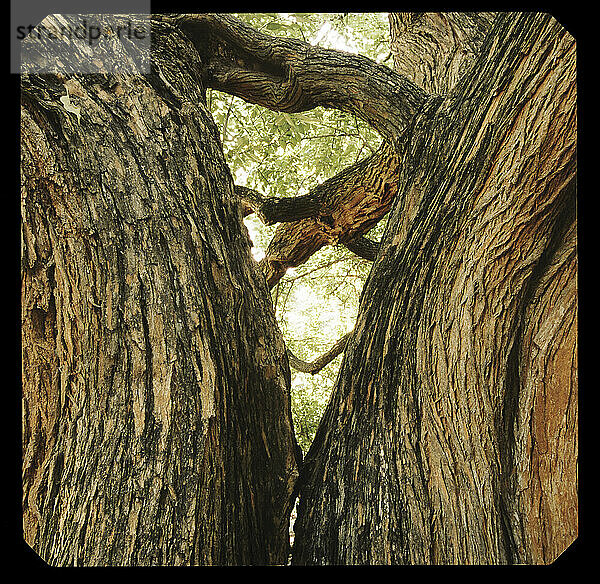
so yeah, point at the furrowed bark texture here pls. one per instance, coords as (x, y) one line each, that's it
(435, 49)
(450, 436)
(156, 414)
(156, 419)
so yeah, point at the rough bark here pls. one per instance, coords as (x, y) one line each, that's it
(156, 413)
(156, 408)
(436, 49)
(450, 437)
(544, 412)
(273, 210)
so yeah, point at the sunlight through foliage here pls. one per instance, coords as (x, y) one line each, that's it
(281, 154)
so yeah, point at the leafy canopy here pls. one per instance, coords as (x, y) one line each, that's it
(282, 154)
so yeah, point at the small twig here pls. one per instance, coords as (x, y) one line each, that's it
(315, 269)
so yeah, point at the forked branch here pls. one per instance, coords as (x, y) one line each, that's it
(348, 205)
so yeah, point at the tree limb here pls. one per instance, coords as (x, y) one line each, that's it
(290, 75)
(322, 361)
(273, 210)
(353, 202)
(364, 247)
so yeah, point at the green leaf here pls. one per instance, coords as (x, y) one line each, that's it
(276, 26)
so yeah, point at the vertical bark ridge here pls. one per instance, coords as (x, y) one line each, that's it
(423, 381)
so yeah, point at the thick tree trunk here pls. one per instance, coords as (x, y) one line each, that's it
(436, 49)
(451, 433)
(156, 413)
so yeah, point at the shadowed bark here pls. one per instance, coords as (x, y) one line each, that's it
(273, 210)
(156, 412)
(364, 247)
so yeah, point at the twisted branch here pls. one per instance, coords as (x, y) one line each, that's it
(290, 75)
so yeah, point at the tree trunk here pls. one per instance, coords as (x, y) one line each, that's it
(156, 411)
(451, 433)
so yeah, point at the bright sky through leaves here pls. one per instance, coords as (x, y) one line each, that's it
(282, 154)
